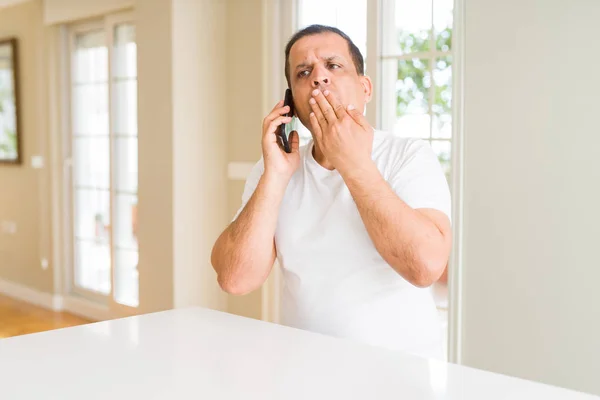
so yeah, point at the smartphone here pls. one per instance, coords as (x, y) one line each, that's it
(288, 101)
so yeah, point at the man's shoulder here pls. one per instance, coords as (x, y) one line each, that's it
(389, 145)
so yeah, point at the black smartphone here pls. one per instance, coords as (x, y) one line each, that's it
(287, 101)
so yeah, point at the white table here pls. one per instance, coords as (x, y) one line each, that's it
(203, 354)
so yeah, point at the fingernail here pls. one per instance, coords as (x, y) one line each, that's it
(315, 92)
(351, 107)
(312, 114)
(312, 101)
(326, 93)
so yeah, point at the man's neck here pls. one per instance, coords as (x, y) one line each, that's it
(320, 157)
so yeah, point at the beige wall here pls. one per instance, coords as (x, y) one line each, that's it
(183, 150)
(532, 190)
(199, 147)
(155, 124)
(24, 195)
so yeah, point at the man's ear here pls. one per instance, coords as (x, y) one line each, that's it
(367, 85)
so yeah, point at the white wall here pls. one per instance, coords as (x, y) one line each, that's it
(532, 190)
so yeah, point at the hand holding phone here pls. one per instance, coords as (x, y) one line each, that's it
(280, 147)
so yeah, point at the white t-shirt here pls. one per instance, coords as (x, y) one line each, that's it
(335, 281)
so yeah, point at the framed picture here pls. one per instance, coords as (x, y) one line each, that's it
(10, 143)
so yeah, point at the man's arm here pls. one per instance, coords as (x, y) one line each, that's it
(415, 242)
(245, 252)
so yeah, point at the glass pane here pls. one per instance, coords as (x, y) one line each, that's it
(90, 109)
(125, 107)
(126, 221)
(92, 214)
(92, 266)
(125, 52)
(442, 23)
(91, 158)
(410, 32)
(126, 277)
(348, 15)
(442, 106)
(126, 164)
(411, 97)
(442, 149)
(90, 63)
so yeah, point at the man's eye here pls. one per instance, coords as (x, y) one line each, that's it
(334, 66)
(302, 74)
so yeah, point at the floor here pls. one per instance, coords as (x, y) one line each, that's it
(19, 318)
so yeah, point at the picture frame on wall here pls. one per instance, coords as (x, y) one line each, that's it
(10, 127)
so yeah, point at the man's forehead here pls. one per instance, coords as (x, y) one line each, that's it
(323, 45)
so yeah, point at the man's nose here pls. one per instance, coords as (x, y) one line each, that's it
(321, 81)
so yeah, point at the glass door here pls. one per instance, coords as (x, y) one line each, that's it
(104, 155)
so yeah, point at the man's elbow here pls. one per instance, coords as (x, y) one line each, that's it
(426, 273)
(230, 287)
(236, 286)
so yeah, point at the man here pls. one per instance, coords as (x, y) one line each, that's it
(358, 219)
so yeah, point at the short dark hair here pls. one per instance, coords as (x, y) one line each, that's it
(357, 58)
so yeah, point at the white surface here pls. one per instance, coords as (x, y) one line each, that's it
(532, 190)
(204, 354)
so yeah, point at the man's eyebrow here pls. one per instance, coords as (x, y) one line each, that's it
(333, 58)
(328, 59)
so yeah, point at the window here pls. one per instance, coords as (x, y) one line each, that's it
(104, 153)
(416, 72)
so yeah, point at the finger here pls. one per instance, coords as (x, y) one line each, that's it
(275, 124)
(316, 128)
(338, 107)
(324, 105)
(294, 141)
(278, 105)
(276, 113)
(321, 120)
(358, 116)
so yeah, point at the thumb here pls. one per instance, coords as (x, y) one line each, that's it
(294, 141)
(357, 116)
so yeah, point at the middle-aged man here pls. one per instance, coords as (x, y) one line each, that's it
(359, 219)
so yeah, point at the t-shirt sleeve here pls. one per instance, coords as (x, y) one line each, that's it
(418, 179)
(250, 186)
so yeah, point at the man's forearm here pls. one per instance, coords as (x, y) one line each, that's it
(244, 253)
(405, 238)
